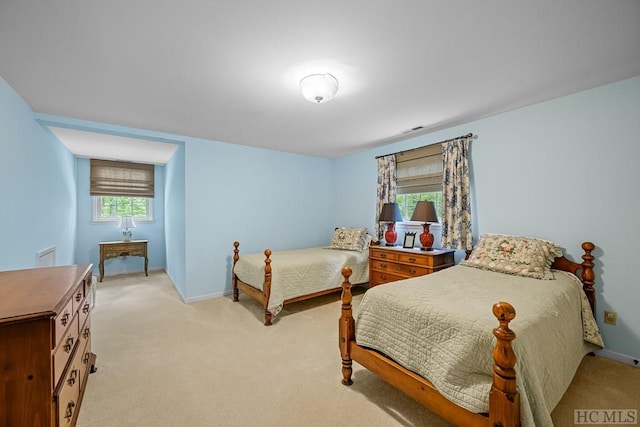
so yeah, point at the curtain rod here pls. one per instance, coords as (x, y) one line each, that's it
(469, 135)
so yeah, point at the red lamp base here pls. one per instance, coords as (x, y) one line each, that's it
(426, 238)
(390, 236)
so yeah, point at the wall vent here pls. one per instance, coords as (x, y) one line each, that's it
(46, 257)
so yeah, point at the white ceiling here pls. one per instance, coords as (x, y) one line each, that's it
(114, 147)
(229, 70)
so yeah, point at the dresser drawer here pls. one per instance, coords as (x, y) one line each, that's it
(382, 254)
(399, 269)
(63, 352)
(78, 296)
(85, 333)
(414, 259)
(85, 362)
(380, 277)
(68, 395)
(84, 310)
(87, 284)
(61, 323)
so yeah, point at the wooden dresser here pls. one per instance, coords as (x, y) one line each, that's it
(45, 345)
(391, 263)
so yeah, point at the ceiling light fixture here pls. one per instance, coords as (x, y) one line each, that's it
(319, 88)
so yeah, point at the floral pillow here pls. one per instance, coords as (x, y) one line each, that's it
(522, 256)
(350, 239)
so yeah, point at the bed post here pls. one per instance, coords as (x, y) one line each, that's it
(234, 279)
(346, 327)
(504, 401)
(588, 275)
(267, 286)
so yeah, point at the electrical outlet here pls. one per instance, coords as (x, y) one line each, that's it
(610, 317)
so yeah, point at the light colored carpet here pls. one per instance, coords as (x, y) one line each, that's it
(212, 363)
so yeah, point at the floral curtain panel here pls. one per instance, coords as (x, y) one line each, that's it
(456, 221)
(386, 189)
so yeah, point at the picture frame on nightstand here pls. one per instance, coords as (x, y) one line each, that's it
(409, 240)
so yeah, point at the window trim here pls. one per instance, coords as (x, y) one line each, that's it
(97, 219)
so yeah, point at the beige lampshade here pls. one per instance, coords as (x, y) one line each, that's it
(424, 212)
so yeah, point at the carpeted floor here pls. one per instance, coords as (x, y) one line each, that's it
(212, 363)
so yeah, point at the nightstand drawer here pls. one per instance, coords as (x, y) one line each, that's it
(414, 259)
(380, 277)
(399, 269)
(383, 254)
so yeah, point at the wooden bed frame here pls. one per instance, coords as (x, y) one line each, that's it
(262, 296)
(504, 401)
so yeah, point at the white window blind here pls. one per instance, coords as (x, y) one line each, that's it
(114, 178)
(419, 170)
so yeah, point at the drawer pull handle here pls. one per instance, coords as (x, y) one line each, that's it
(69, 345)
(78, 296)
(86, 358)
(70, 407)
(86, 333)
(412, 260)
(412, 271)
(383, 277)
(72, 377)
(65, 319)
(383, 265)
(383, 255)
(85, 309)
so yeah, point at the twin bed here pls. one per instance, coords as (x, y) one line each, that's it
(431, 336)
(284, 277)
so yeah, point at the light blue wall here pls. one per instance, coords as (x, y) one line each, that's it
(91, 233)
(566, 170)
(261, 198)
(175, 220)
(37, 188)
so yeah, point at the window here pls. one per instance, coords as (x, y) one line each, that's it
(407, 202)
(419, 177)
(121, 188)
(111, 208)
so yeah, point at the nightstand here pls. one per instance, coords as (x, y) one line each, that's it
(391, 263)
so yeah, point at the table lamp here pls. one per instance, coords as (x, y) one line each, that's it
(425, 212)
(126, 222)
(390, 214)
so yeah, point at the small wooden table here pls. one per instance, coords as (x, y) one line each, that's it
(122, 248)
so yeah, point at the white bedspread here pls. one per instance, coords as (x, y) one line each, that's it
(302, 272)
(440, 326)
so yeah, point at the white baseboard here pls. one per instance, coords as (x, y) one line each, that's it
(198, 298)
(174, 285)
(619, 357)
(207, 296)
